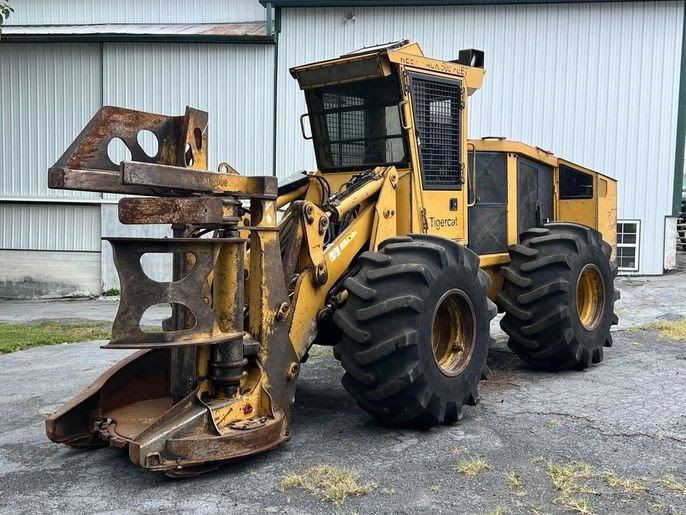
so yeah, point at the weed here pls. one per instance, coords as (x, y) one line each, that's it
(631, 486)
(332, 484)
(515, 481)
(672, 483)
(473, 467)
(552, 421)
(112, 292)
(668, 329)
(435, 488)
(566, 477)
(578, 505)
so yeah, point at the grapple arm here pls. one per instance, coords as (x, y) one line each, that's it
(205, 390)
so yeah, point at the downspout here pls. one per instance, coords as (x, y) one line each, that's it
(680, 127)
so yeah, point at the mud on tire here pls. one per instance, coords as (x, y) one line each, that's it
(541, 290)
(388, 327)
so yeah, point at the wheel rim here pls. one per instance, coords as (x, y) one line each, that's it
(452, 335)
(590, 296)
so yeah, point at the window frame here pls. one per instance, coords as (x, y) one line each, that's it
(565, 170)
(636, 245)
(320, 143)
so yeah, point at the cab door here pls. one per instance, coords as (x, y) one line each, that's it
(439, 115)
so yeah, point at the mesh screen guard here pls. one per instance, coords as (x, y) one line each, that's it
(357, 125)
(437, 105)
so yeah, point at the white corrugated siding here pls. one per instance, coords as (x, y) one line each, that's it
(595, 83)
(48, 93)
(59, 227)
(50, 12)
(233, 83)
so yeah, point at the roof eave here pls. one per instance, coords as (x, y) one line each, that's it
(400, 3)
(156, 38)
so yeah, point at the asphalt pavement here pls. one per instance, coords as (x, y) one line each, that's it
(626, 415)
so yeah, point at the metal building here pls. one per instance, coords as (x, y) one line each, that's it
(600, 83)
(62, 60)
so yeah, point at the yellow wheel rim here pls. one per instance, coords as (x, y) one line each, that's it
(590, 296)
(452, 335)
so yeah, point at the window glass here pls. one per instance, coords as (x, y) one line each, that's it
(628, 245)
(357, 125)
(575, 184)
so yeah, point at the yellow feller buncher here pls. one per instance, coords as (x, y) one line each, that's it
(396, 252)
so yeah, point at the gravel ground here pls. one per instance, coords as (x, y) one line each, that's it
(626, 415)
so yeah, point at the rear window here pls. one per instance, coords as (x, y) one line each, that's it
(575, 184)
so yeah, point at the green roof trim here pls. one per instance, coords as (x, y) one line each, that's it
(134, 38)
(680, 128)
(400, 3)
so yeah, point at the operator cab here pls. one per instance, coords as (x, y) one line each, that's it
(389, 105)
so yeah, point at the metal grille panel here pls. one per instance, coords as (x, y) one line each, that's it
(488, 218)
(437, 106)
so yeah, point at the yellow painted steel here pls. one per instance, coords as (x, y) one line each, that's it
(399, 204)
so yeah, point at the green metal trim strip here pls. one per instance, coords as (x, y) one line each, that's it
(130, 38)
(276, 29)
(399, 3)
(680, 127)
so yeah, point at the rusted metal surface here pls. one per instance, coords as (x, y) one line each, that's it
(192, 151)
(137, 377)
(178, 210)
(192, 291)
(206, 391)
(89, 149)
(175, 178)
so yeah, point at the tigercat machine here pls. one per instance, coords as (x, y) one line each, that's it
(396, 252)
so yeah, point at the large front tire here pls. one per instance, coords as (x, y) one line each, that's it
(558, 296)
(415, 330)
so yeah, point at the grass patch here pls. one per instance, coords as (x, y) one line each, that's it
(565, 478)
(630, 486)
(457, 451)
(473, 467)
(672, 483)
(579, 505)
(14, 337)
(498, 510)
(667, 329)
(515, 481)
(320, 351)
(329, 483)
(112, 292)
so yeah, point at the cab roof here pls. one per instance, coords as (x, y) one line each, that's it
(377, 61)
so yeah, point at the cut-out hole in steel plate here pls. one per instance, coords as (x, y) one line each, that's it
(148, 142)
(158, 266)
(188, 155)
(197, 133)
(117, 151)
(154, 317)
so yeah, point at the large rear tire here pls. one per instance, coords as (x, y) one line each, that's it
(558, 296)
(415, 330)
